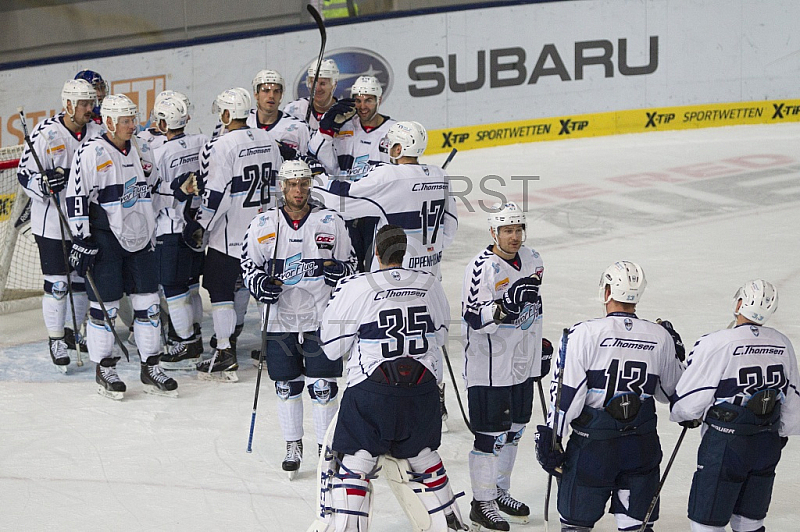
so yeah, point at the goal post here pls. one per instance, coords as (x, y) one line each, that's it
(20, 272)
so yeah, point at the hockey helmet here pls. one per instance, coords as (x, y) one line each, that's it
(116, 106)
(267, 76)
(411, 136)
(76, 90)
(759, 301)
(327, 69)
(236, 101)
(367, 85)
(626, 280)
(94, 79)
(172, 111)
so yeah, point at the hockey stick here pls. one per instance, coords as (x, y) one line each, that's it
(455, 388)
(65, 228)
(449, 158)
(663, 480)
(324, 36)
(264, 322)
(562, 355)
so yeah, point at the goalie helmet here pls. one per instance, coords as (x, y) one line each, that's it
(327, 69)
(367, 85)
(411, 136)
(626, 280)
(118, 105)
(759, 301)
(172, 111)
(76, 90)
(267, 76)
(236, 101)
(94, 79)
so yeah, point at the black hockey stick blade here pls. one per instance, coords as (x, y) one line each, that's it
(324, 38)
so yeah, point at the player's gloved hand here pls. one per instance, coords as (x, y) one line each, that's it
(550, 459)
(55, 180)
(184, 186)
(193, 235)
(525, 290)
(287, 152)
(265, 289)
(680, 350)
(334, 270)
(336, 116)
(82, 256)
(691, 423)
(316, 167)
(547, 357)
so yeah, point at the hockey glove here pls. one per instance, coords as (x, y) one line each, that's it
(525, 290)
(54, 180)
(193, 235)
(184, 186)
(265, 290)
(550, 459)
(316, 167)
(691, 423)
(547, 357)
(334, 119)
(680, 350)
(82, 255)
(287, 152)
(334, 270)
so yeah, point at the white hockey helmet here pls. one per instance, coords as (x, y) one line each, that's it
(116, 106)
(327, 69)
(759, 301)
(236, 101)
(411, 136)
(267, 76)
(367, 85)
(294, 169)
(172, 111)
(175, 94)
(76, 90)
(626, 280)
(506, 214)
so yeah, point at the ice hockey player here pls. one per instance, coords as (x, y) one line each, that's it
(109, 203)
(177, 163)
(292, 258)
(237, 179)
(743, 382)
(55, 141)
(100, 87)
(291, 133)
(502, 334)
(406, 193)
(353, 146)
(610, 371)
(151, 138)
(323, 94)
(391, 325)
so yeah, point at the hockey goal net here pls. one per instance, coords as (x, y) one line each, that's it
(20, 272)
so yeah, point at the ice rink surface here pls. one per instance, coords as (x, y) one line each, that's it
(702, 212)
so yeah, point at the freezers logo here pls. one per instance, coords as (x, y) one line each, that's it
(352, 63)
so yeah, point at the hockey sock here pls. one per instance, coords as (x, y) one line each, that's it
(483, 475)
(290, 408)
(224, 323)
(54, 304)
(240, 300)
(197, 303)
(180, 312)
(697, 527)
(99, 338)
(324, 404)
(147, 324)
(508, 455)
(740, 523)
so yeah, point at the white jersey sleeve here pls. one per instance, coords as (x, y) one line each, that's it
(353, 150)
(298, 109)
(391, 313)
(731, 365)
(287, 130)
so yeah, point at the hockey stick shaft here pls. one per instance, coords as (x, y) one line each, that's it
(449, 158)
(562, 355)
(264, 336)
(65, 228)
(455, 388)
(663, 480)
(324, 37)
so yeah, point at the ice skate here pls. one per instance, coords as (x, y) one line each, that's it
(182, 354)
(58, 354)
(75, 342)
(485, 516)
(220, 367)
(155, 381)
(109, 383)
(294, 455)
(516, 511)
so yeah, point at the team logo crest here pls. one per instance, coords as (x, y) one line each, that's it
(754, 330)
(496, 268)
(529, 314)
(327, 219)
(182, 143)
(154, 315)
(395, 275)
(325, 240)
(294, 269)
(628, 324)
(51, 135)
(59, 290)
(250, 134)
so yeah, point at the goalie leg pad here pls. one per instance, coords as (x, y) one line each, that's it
(351, 492)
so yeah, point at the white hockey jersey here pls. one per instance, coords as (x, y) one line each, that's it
(386, 314)
(415, 197)
(55, 146)
(237, 177)
(605, 357)
(147, 141)
(301, 254)
(287, 129)
(507, 353)
(114, 180)
(298, 109)
(354, 150)
(731, 365)
(175, 157)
